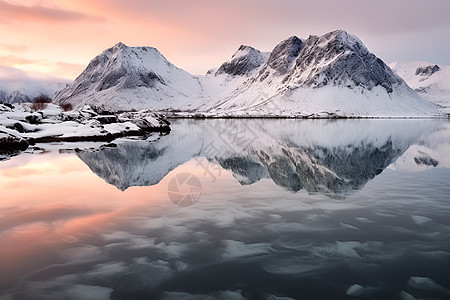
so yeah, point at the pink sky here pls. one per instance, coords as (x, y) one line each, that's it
(60, 37)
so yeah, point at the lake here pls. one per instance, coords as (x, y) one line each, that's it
(233, 209)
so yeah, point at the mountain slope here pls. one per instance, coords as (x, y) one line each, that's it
(282, 58)
(431, 81)
(16, 86)
(330, 75)
(126, 78)
(340, 59)
(322, 76)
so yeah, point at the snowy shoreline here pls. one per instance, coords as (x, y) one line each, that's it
(331, 117)
(21, 127)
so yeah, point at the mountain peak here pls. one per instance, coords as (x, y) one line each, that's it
(244, 48)
(119, 45)
(141, 73)
(244, 61)
(340, 59)
(282, 57)
(345, 38)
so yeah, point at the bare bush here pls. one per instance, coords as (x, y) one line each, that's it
(66, 106)
(40, 102)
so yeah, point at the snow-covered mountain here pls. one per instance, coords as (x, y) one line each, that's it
(16, 86)
(127, 78)
(330, 75)
(321, 76)
(431, 81)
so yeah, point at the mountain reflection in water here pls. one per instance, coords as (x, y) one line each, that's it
(334, 158)
(287, 209)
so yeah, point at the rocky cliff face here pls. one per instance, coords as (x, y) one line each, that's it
(340, 59)
(282, 58)
(243, 62)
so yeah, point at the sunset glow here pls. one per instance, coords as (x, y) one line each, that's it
(37, 225)
(60, 37)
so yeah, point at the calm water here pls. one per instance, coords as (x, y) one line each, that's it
(234, 209)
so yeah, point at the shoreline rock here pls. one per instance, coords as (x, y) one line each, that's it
(21, 127)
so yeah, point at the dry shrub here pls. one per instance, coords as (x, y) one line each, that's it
(40, 102)
(66, 106)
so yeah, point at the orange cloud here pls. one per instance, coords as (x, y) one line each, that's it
(11, 60)
(198, 35)
(14, 13)
(14, 48)
(61, 69)
(47, 214)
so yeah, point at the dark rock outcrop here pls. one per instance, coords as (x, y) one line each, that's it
(427, 70)
(243, 62)
(282, 57)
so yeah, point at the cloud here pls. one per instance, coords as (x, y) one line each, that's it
(15, 13)
(210, 32)
(49, 213)
(198, 35)
(8, 60)
(29, 69)
(9, 73)
(66, 70)
(14, 48)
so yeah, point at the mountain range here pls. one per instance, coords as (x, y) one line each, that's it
(321, 76)
(333, 75)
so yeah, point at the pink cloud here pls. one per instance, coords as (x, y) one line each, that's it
(13, 13)
(198, 35)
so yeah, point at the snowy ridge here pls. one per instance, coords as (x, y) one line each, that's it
(243, 62)
(329, 76)
(338, 58)
(431, 81)
(333, 75)
(16, 86)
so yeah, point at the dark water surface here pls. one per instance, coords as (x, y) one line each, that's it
(234, 209)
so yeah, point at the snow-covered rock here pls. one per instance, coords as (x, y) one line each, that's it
(10, 143)
(282, 58)
(20, 126)
(243, 62)
(431, 81)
